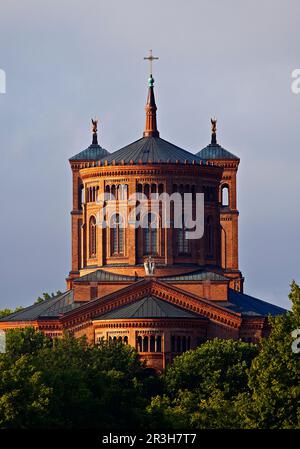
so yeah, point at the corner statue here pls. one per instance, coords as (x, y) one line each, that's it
(94, 125)
(213, 125)
(149, 265)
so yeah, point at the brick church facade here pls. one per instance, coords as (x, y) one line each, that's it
(194, 293)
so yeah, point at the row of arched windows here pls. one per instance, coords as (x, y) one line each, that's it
(117, 191)
(120, 192)
(150, 236)
(180, 343)
(119, 339)
(148, 189)
(91, 194)
(150, 343)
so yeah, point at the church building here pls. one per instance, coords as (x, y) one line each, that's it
(150, 286)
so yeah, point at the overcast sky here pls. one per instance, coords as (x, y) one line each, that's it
(66, 61)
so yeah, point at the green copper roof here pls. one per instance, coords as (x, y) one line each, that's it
(148, 307)
(152, 149)
(215, 151)
(200, 275)
(50, 308)
(92, 153)
(101, 275)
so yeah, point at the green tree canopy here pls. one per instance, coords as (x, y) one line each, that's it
(68, 383)
(274, 378)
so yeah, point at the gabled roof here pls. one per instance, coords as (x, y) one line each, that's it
(92, 153)
(216, 152)
(152, 149)
(250, 306)
(50, 308)
(101, 275)
(148, 307)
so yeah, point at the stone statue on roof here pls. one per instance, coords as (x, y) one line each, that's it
(149, 266)
(94, 125)
(213, 125)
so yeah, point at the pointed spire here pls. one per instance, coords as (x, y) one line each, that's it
(213, 131)
(151, 125)
(94, 131)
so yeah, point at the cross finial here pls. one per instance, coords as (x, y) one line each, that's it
(150, 58)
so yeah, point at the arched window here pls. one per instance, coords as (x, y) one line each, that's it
(173, 343)
(113, 192)
(150, 228)
(183, 344)
(139, 344)
(145, 344)
(93, 237)
(210, 236)
(117, 235)
(146, 190)
(188, 343)
(178, 344)
(80, 196)
(160, 189)
(152, 343)
(158, 343)
(225, 195)
(122, 192)
(183, 242)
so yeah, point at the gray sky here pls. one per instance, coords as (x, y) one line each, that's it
(66, 61)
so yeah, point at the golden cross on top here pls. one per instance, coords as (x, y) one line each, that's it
(150, 58)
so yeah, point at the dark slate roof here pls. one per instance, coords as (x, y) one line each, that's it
(148, 307)
(250, 306)
(200, 275)
(101, 275)
(152, 149)
(92, 153)
(50, 308)
(215, 151)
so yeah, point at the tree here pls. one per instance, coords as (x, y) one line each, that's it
(274, 378)
(202, 385)
(68, 383)
(47, 296)
(6, 312)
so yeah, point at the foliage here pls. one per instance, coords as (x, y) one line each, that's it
(67, 383)
(274, 378)
(47, 296)
(6, 312)
(201, 386)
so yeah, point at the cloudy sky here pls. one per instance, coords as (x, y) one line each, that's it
(66, 61)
